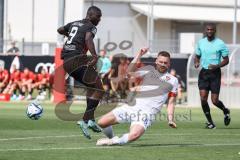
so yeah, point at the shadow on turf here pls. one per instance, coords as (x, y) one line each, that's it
(63, 111)
(164, 145)
(228, 128)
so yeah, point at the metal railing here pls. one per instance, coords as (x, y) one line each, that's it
(129, 46)
(29, 48)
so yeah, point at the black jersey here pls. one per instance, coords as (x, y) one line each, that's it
(75, 43)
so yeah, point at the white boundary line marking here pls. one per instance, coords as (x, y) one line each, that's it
(115, 147)
(70, 148)
(79, 135)
(39, 137)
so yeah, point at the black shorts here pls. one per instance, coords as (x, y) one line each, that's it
(210, 80)
(77, 68)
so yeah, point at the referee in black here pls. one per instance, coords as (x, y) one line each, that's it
(212, 53)
(77, 64)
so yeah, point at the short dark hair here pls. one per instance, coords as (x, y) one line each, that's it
(93, 9)
(211, 24)
(164, 54)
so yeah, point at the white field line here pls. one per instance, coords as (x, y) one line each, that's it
(79, 135)
(115, 147)
(40, 137)
(71, 148)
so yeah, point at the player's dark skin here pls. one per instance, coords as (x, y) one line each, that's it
(94, 18)
(210, 31)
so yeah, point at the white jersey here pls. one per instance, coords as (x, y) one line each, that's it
(155, 88)
(152, 93)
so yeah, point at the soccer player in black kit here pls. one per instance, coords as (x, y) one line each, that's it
(77, 64)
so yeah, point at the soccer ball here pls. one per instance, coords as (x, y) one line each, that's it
(34, 111)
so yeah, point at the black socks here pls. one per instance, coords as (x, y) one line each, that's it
(206, 110)
(91, 106)
(221, 106)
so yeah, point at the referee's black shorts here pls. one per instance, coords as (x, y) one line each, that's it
(210, 80)
(77, 68)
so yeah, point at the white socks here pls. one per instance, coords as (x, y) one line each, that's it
(108, 131)
(122, 140)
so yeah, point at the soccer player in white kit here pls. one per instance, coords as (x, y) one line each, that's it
(155, 88)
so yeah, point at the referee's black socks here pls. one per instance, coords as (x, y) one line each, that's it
(91, 106)
(206, 110)
(221, 106)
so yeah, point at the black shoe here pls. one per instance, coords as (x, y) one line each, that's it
(210, 126)
(227, 118)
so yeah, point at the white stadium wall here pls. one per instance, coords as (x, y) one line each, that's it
(19, 18)
(117, 23)
(224, 31)
(19, 21)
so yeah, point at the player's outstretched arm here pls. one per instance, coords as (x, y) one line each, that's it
(132, 66)
(90, 45)
(170, 111)
(62, 31)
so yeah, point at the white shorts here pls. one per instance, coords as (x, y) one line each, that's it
(134, 115)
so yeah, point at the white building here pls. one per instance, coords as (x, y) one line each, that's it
(125, 20)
